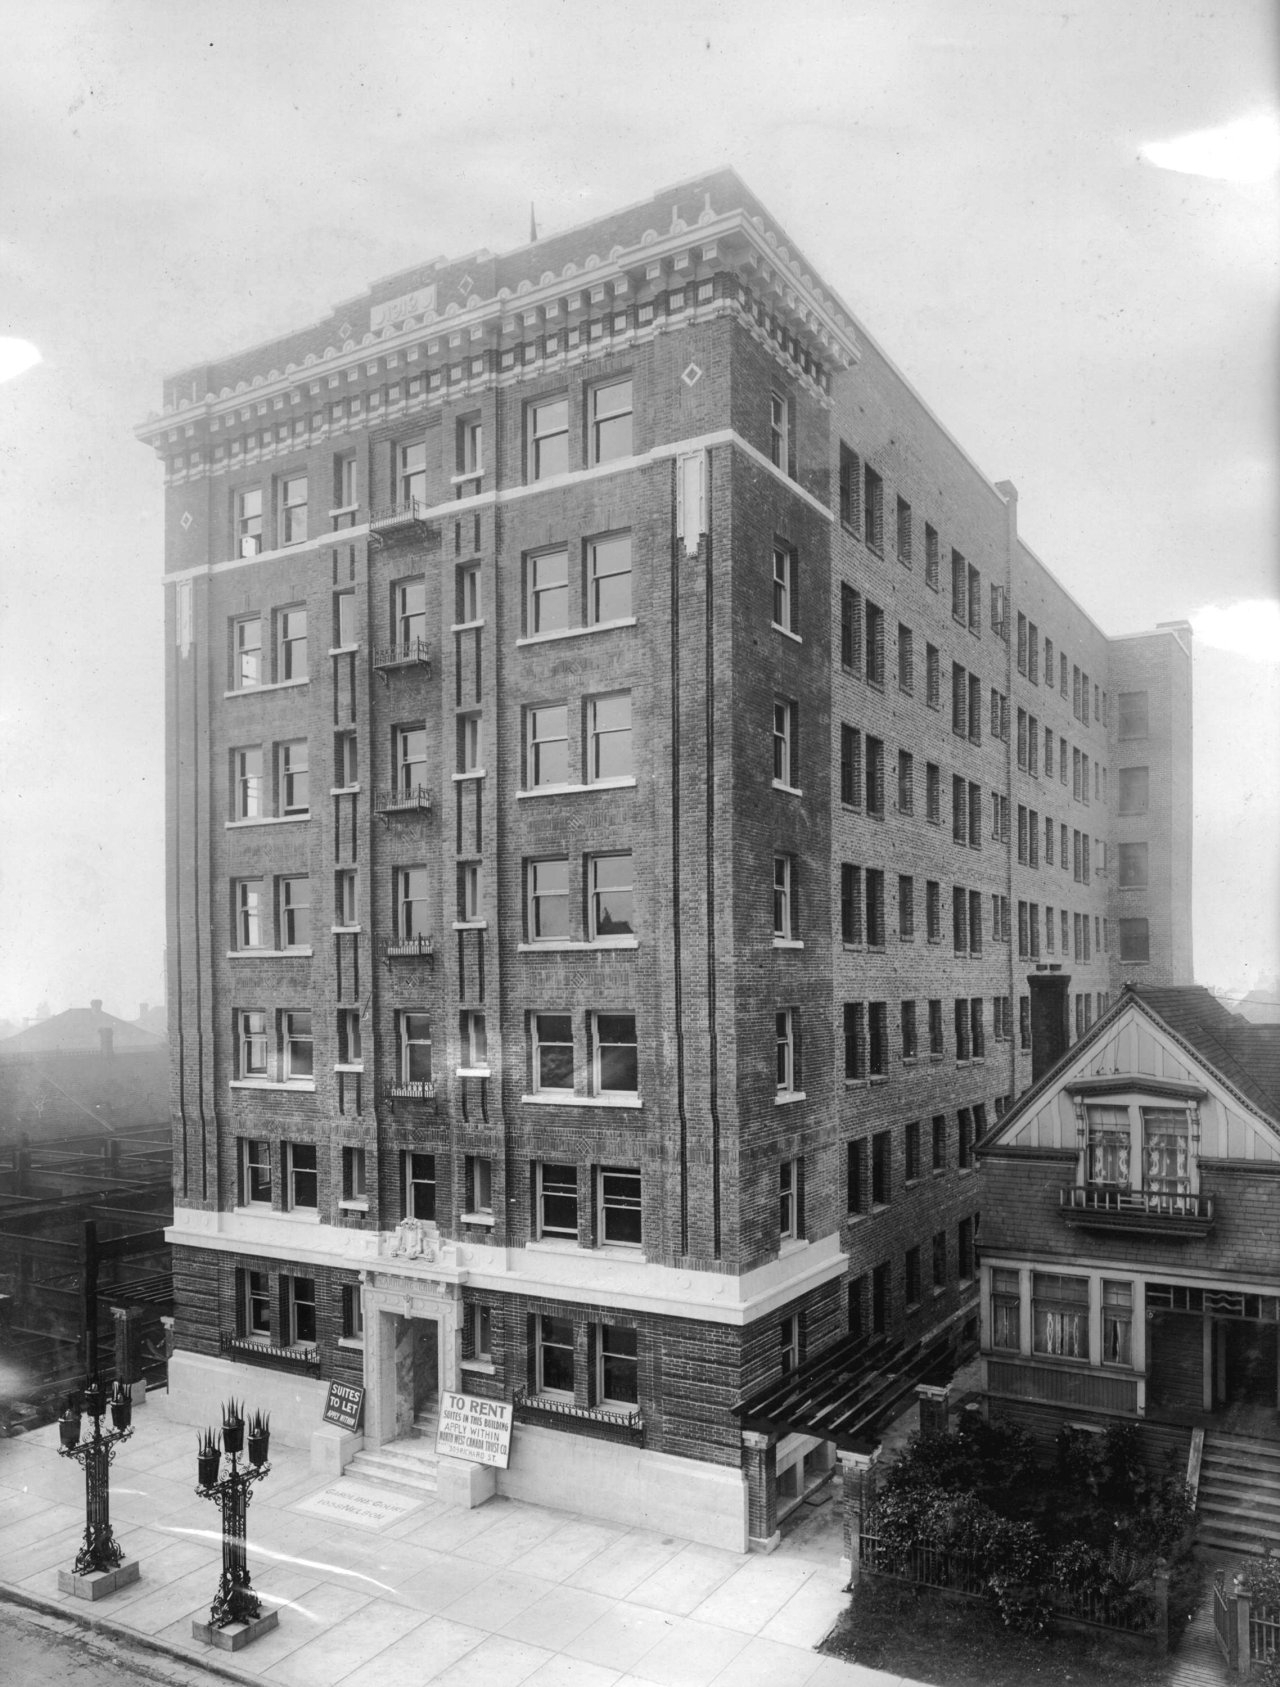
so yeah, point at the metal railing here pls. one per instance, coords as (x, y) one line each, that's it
(394, 515)
(411, 1089)
(534, 1406)
(420, 948)
(403, 653)
(1106, 1200)
(251, 1352)
(404, 800)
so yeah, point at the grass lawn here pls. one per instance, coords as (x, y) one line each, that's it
(951, 1643)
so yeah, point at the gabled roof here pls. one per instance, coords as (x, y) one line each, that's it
(78, 1029)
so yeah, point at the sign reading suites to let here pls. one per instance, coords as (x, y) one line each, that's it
(344, 1405)
(475, 1429)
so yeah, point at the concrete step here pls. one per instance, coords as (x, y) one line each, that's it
(395, 1466)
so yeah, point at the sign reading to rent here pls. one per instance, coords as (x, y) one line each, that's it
(475, 1429)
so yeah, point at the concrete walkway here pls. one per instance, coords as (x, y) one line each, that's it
(376, 1591)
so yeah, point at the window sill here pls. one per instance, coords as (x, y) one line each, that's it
(273, 685)
(344, 790)
(485, 1220)
(472, 1072)
(786, 1097)
(625, 783)
(565, 1099)
(575, 946)
(786, 632)
(791, 790)
(480, 1367)
(349, 1066)
(252, 1207)
(296, 1215)
(303, 1088)
(791, 1245)
(471, 773)
(466, 626)
(345, 931)
(788, 943)
(356, 1343)
(553, 1245)
(462, 479)
(353, 1206)
(910, 1060)
(267, 820)
(342, 650)
(470, 925)
(345, 509)
(576, 632)
(878, 1078)
(270, 954)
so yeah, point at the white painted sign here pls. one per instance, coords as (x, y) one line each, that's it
(350, 1501)
(408, 304)
(475, 1429)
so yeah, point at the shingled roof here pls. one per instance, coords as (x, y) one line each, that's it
(1246, 1055)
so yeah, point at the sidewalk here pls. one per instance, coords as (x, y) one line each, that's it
(374, 1590)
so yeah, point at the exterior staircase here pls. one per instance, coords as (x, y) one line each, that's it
(408, 1465)
(1239, 1499)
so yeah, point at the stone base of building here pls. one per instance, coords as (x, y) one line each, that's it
(333, 1448)
(98, 1583)
(236, 1636)
(199, 1383)
(623, 1484)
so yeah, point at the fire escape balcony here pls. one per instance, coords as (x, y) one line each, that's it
(408, 653)
(1149, 1212)
(408, 799)
(410, 1089)
(419, 948)
(405, 520)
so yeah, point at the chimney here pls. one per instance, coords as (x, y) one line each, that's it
(106, 1039)
(96, 1004)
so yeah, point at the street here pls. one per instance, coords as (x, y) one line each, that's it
(43, 1651)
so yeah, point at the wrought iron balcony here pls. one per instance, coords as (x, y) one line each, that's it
(409, 799)
(550, 1410)
(1153, 1212)
(406, 520)
(249, 1352)
(420, 948)
(411, 1089)
(407, 653)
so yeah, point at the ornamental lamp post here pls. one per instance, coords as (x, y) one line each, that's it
(235, 1617)
(100, 1566)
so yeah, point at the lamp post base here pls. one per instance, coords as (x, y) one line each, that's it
(236, 1636)
(97, 1584)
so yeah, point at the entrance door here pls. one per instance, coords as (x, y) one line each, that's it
(1247, 1365)
(426, 1364)
(1175, 1361)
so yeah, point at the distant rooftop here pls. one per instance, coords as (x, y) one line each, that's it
(80, 1028)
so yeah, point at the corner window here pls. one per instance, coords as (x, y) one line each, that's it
(470, 446)
(609, 896)
(548, 441)
(293, 510)
(479, 1186)
(615, 1064)
(619, 1196)
(610, 415)
(552, 1035)
(246, 653)
(609, 738)
(352, 1313)
(470, 745)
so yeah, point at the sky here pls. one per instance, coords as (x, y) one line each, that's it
(1019, 201)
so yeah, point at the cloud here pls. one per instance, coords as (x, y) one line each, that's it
(1248, 628)
(16, 357)
(1246, 150)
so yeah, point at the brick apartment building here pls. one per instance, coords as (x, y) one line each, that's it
(636, 812)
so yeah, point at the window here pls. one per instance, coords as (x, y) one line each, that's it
(609, 738)
(410, 750)
(1006, 1310)
(964, 1249)
(875, 778)
(346, 768)
(1060, 1315)
(609, 896)
(470, 892)
(878, 1039)
(850, 488)
(1033, 746)
(247, 900)
(904, 532)
(911, 1150)
(959, 920)
(470, 746)
(610, 419)
(906, 907)
(554, 1356)
(619, 1199)
(410, 612)
(850, 904)
(294, 778)
(1048, 841)
(906, 783)
(473, 1048)
(299, 1066)
(615, 1069)
(856, 1176)
(975, 816)
(786, 1064)
(906, 660)
(1133, 718)
(552, 1053)
(935, 1027)
(344, 897)
(411, 464)
(1134, 790)
(1033, 653)
(933, 793)
(251, 1043)
(558, 1201)
(352, 1313)
(255, 1310)
(939, 1134)
(547, 745)
(940, 1259)
(875, 643)
(788, 1200)
(249, 522)
(784, 579)
(872, 509)
(618, 1379)
(293, 510)
(789, 1344)
(609, 578)
(909, 1041)
(977, 1033)
(345, 488)
(933, 910)
(255, 1173)
(413, 1047)
(410, 902)
(959, 810)
(783, 894)
(1117, 1323)
(933, 677)
(302, 1179)
(246, 774)
(959, 589)
(875, 908)
(850, 629)
(246, 648)
(354, 1185)
(299, 1294)
(785, 770)
(850, 766)
(547, 587)
(855, 1066)
(881, 1168)
(779, 432)
(1024, 1012)
(1135, 940)
(467, 595)
(419, 1185)
(930, 557)
(350, 1047)
(959, 701)
(1133, 866)
(470, 453)
(880, 1299)
(549, 438)
(975, 922)
(911, 1267)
